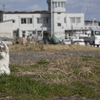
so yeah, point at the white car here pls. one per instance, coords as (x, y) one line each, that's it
(6, 40)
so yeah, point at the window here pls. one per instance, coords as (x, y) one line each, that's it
(47, 20)
(59, 24)
(26, 20)
(29, 20)
(23, 33)
(58, 4)
(65, 20)
(62, 4)
(78, 20)
(44, 20)
(58, 12)
(23, 21)
(72, 20)
(75, 20)
(39, 20)
(97, 33)
(55, 4)
(92, 34)
(13, 21)
(33, 32)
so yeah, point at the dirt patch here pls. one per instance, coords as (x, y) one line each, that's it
(30, 57)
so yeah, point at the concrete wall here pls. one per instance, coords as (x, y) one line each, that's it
(6, 29)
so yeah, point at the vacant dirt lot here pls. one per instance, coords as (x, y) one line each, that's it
(31, 57)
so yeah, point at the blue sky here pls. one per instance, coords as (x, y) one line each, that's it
(91, 7)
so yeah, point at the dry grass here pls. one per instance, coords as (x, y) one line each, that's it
(28, 47)
(70, 47)
(38, 46)
(71, 75)
(62, 71)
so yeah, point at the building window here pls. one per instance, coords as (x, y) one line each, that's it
(23, 21)
(58, 12)
(78, 20)
(29, 20)
(34, 32)
(55, 4)
(47, 20)
(13, 21)
(26, 20)
(58, 4)
(72, 20)
(23, 33)
(59, 24)
(39, 20)
(75, 20)
(62, 4)
(44, 20)
(65, 20)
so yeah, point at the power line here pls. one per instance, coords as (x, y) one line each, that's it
(86, 6)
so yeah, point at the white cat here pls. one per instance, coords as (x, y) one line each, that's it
(4, 59)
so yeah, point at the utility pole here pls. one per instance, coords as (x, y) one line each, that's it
(93, 21)
(3, 8)
(52, 25)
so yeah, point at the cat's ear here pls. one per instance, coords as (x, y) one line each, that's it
(5, 49)
(0, 49)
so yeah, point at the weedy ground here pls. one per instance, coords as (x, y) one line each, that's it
(40, 46)
(45, 79)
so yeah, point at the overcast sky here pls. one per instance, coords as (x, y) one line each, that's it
(90, 7)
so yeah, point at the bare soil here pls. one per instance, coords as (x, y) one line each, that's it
(30, 57)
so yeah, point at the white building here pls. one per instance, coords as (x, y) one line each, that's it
(92, 24)
(55, 22)
(28, 23)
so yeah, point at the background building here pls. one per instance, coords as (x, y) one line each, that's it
(52, 22)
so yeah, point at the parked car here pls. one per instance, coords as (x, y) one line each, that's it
(8, 41)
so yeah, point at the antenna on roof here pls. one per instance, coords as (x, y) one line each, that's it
(3, 8)
(86, 6)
